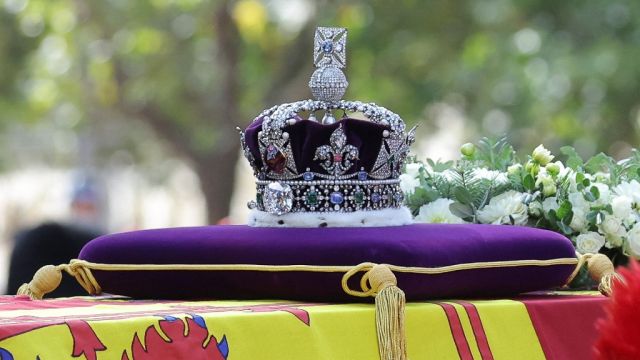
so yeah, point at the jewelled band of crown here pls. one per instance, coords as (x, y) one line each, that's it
(337, 184)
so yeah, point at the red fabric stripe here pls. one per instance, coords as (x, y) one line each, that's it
(565, 325)
(478, 330)
(458, 333)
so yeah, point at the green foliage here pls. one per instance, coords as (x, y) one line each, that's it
(493, 154)
(574, 161)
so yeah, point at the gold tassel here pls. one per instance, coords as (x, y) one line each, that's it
(44, 281)
(601, 269)
(390, 305)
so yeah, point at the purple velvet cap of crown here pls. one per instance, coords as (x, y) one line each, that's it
(419, 245)
(306, 136)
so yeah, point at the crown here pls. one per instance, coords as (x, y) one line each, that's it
(331, 166)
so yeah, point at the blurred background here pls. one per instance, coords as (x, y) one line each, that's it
(118, 115)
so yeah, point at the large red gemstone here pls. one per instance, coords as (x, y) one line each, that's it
(337, 158)
(275, 159)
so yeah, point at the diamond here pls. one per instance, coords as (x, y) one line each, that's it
(307, 176)
(362, 175)
(312, 198)
(375, 197)
(275, 159)
(278, 198)
(336, 198)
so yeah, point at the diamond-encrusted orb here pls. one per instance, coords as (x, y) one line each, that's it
(278, 198)
(328, 84)
(336, 198)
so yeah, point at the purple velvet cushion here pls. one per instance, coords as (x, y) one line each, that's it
(424, 245)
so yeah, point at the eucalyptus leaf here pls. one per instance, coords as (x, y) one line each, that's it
(574, 161)
(463, 195)
(461, 210)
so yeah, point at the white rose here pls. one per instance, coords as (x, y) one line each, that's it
(408, 183)
(634, 240)
(541, 155)
(514, 169)
(536, 208)
(579, 220)
(438, 212)
(544, 178)
(550, 203)
(493, 175)
(621, 206)
(590, 242)
(413, 169)
(505, 208)
(630, 189)
(613, 231)
(578, 202)
(549, 189)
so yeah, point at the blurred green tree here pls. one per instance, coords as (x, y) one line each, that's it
(558, 72)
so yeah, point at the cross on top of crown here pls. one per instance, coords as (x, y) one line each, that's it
(329, 48)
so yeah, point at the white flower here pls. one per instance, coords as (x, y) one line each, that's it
(621, 206)
(506, 208)
(578, 202)
(541, 155)
(554, 168)
(634, 240)
(535, 208)
(566, 172)
(413, 169)
(590, 242)
(602, 177)
(580, 208)
(630, 189)
(514, 169)
(438, 212)
(550, 203)
(544, 178)
(613, 231)
(493, 175)
(408, 183)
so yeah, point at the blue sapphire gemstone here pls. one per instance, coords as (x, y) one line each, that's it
(327, 46)
(375, 197)
(362, 175)
(336, 198)
(307, 176)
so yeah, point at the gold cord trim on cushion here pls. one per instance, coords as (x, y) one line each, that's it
(378, 281)
(600, 269)
(48, 278)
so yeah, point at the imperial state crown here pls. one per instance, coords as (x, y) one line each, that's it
(330, 172)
